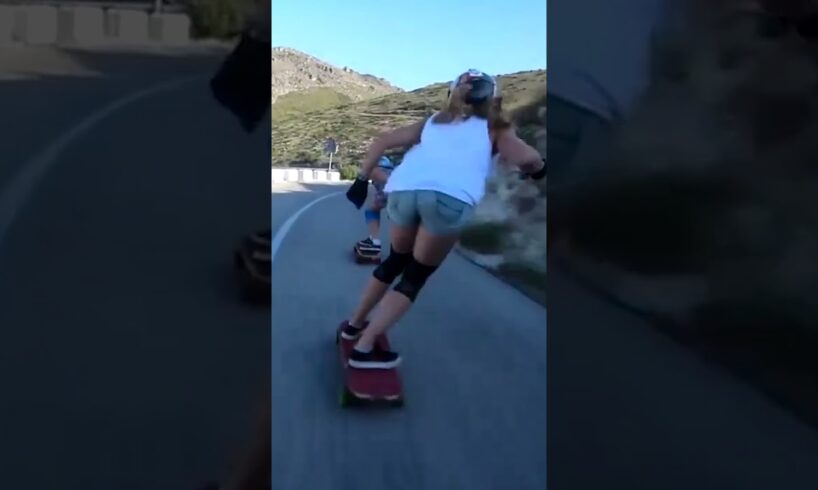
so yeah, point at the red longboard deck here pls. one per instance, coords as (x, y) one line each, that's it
(369, 384)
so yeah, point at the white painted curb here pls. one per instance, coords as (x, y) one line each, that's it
(87, 25)
(303, 175)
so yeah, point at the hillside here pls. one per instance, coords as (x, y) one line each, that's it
(298, 137)
(301, 82)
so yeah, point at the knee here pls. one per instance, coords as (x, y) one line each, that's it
(414, 278)
(392, 267)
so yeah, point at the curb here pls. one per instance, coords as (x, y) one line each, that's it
(303, 175)
(474, 259)
(92, 24)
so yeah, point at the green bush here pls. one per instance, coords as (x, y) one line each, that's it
(219, 19)
(485, 238)
(348, 172)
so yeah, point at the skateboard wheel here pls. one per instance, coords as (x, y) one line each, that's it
(397, 402)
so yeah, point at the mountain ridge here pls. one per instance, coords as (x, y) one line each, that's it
(295, 71)
(299, 135)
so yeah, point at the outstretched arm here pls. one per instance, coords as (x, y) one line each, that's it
(517, 152)
(405, 136)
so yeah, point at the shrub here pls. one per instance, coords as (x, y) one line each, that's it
(220, 19)
(485, 238)
(348, 172)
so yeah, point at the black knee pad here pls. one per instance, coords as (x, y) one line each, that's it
(413, 279)
(392, 267)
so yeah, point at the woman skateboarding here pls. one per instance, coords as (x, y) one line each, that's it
(432, 196)
(371, 245)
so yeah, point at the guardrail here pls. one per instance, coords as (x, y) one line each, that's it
(304, 175)
(88, 24)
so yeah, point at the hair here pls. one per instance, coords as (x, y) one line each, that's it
(491, 110)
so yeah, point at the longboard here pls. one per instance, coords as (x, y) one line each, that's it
(254, 281)
(364, 258)
(367, 385)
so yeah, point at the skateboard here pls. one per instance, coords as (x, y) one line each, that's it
(253, 266)
(365, 258)
(367, 386)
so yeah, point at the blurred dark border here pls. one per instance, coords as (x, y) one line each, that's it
(680, 356)
(129, 358)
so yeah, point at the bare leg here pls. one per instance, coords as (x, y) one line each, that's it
(429, 250)
(373, 292)
(402, 240)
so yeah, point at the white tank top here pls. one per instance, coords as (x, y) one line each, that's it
(453, 158)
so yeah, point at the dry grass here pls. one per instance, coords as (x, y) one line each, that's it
(298, 138)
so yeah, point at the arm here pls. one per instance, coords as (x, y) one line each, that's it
(517, 152)
(405, 136)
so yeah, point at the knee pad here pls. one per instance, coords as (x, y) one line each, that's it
(372, 215)
(392, 267)
(413, 279)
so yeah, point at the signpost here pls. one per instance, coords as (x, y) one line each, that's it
(331, 147)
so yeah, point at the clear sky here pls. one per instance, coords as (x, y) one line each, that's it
(413, 43)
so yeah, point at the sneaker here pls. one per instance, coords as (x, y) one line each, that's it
(352, 333)
(366, 246)
(377, 358)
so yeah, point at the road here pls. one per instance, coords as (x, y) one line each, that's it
(474, 372)
(627, 407)
(127, 360)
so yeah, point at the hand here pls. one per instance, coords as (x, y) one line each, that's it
(357, 192)
(539, 174)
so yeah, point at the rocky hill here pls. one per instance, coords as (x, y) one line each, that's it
(298, 136)
(301, 82)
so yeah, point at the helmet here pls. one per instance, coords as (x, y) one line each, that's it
(483, 86)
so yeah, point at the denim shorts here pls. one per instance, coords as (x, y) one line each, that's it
(438, 213)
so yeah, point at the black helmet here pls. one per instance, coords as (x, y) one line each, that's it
(483, 86)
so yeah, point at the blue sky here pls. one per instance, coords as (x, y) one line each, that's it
(413, 43)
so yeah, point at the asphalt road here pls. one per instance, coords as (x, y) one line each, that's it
(474, 371)
(127, 360)
(627, 407)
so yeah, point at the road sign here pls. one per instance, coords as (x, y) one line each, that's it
(330, 146)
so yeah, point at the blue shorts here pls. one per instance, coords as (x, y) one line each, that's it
(438, 213)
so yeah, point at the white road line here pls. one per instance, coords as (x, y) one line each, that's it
(14, 196)
(281, 234)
